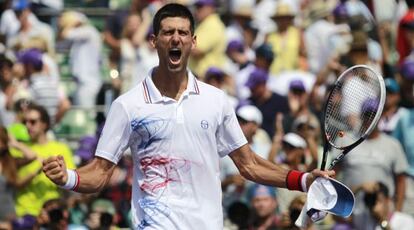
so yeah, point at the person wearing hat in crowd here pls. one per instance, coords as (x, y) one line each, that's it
(405, 33)
(318, 34)
(84, 57)
(233, 184)
(263, 203)
(392, 108)
(211, 46)
(43, 88)
(406, 74)
(241, 15)
(291, 156)
(30, 27)
(379, 158)
(404, 129)
(177, 129)
(237, 58)
(268, 102)
(287, 42)
(382, 213)
(218, 78)
(264, 57)
(298, 99)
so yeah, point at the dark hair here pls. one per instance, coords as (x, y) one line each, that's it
(5, 62)
(44, 116)
(169, 11)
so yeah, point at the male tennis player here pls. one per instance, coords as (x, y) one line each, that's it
(177, 128)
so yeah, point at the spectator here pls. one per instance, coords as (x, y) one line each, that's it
(10, 181)
(405, 32)
(30, 199)
(136, 55)
(318, 34)
(263, 203)
(268, 102)
(405, 129)
(298, 99)
(241, 15)
(233, 184)
(210, 49)
(379, 158)
(392, 109)
(43, 88)
(291, 156)
(237, 57)
(287, 42)
(263, 60)
(54, 215)
(85, 56)
(407, 82)
(7, 91)
(30, 27)
(114, 25)
(383, 214)
(218, 78)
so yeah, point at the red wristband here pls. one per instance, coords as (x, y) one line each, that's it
(294, 180)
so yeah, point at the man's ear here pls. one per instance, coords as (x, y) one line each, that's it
(153, 40)
(194, 42)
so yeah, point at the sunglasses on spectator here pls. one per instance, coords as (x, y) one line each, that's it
(30, 121)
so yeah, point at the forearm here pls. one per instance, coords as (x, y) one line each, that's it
(28, 154)
(257, 169)
(399, 192)
(94, 176)
(23, 182)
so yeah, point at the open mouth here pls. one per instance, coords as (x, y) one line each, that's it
(175, 55)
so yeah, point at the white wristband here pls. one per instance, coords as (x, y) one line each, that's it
(303, 182)
(73, 180)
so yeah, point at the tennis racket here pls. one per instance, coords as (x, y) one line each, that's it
(352, 111)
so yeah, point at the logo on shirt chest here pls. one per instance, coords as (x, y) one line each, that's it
(204, 124)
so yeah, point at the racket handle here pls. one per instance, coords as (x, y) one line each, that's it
(336, 160)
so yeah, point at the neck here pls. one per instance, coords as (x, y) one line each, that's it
(170, 84)
(390, 111)
(266, 95)
(42, 139)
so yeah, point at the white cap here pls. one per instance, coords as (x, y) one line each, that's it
(331, 196)
(242, 7)
(295, 140)
(326, 195)
(250, 113)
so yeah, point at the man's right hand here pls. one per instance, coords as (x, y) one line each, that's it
(55, 169)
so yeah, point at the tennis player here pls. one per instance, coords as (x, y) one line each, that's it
(177, 128)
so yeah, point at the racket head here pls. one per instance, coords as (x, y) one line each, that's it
(354, 106)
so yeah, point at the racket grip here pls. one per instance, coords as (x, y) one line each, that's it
(336, 160)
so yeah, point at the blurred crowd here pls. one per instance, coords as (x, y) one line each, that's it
(64, 62)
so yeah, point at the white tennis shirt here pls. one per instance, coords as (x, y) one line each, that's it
(176, 147)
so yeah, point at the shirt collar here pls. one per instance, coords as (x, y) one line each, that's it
(152, 94)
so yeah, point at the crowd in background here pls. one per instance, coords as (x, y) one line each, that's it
(63, 62)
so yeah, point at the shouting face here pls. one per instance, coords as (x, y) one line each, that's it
(174, 43)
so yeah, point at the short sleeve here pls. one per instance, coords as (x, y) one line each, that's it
(115, 135)
(229, 134)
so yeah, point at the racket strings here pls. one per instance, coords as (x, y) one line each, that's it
(352, 106)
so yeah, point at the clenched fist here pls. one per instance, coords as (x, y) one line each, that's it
(55, 169)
